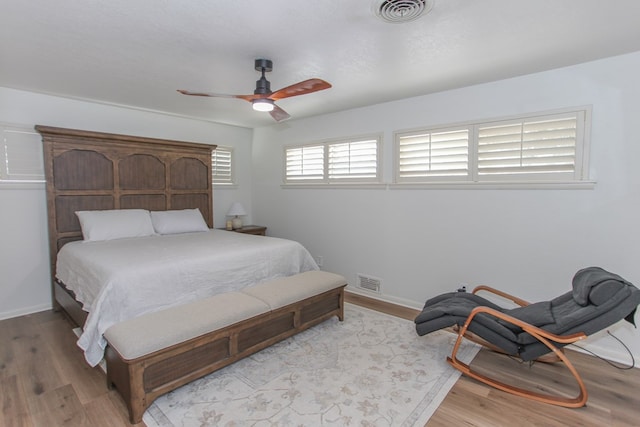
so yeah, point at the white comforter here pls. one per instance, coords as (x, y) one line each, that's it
(120, 279)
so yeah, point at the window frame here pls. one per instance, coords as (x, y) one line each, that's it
(20, 179)
(580, 175)
(326, 179)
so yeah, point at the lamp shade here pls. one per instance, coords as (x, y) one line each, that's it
(236, 209)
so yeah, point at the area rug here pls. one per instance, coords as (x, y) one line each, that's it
(372, 369)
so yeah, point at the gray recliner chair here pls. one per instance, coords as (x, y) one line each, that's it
(598, 300)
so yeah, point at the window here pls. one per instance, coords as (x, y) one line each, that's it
(222, 165)
(353, 160)
(542, 146)
(20, 155)
(546, 147)
(305, 163)
(430, 154)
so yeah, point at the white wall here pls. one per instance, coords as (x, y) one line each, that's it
(24, 255)
(419, 242)
(425, 242)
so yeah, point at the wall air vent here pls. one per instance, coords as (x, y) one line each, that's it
(397, 11)
(369, 283)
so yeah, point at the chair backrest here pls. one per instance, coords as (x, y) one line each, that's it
(594, 285)
(598, 300)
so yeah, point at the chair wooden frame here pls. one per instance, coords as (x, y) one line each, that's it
(541, 335)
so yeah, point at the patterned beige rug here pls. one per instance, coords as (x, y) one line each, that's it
(372, 369)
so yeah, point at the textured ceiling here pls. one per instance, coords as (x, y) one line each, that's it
(137, 53)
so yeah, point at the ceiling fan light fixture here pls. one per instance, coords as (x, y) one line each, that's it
(263, 104)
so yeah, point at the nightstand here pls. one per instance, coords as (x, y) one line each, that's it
(258, 230)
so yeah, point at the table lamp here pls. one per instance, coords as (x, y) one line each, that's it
(236, 211)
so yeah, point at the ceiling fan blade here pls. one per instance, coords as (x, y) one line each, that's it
(217, 95)
(302, 88)
(221, 95)
(279, 114)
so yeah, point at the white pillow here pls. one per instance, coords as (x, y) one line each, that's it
(115, 224)
(178, 221)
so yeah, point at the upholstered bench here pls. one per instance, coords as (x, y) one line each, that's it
(150, 355)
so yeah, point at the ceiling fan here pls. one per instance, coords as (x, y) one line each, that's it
(263, 99)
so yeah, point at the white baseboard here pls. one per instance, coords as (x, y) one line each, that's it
(385, 298)
(24, 310)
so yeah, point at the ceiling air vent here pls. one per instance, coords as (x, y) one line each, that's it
(369, 283)
(397, 11)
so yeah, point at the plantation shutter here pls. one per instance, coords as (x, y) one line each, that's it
(21, 156)
(425, 155)
(221, 164)
(545, 147)
(304, 163)
(357, 160)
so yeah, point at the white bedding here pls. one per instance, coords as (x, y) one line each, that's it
(120, 279)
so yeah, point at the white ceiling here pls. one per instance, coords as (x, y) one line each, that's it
(138, 52)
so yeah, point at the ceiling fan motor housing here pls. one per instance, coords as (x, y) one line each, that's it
(263, 86)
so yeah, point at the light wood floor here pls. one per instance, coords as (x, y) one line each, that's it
(44, 381)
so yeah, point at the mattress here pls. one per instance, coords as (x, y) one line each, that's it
(120, 279)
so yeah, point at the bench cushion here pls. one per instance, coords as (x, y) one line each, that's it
(145, 334)
(288, 290)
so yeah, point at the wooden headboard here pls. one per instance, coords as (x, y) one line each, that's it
(99, 171)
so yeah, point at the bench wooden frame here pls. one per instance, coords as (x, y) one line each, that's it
(140, 381)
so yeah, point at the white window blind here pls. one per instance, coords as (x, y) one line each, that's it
(433, 154)
(304, 163)
(543, 146)
(21, 155)
(222, 165)
(357, 160)
(347, 160)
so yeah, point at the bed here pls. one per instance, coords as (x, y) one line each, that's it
(103, 282)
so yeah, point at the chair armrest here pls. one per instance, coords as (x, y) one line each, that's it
(516, 300)
(527, 327)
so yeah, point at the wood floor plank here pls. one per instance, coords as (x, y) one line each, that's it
(38, 373)
(108, 410)
(15, 411)
(58, 407)
(10, 330)
(32, 358)
(121, 408)
(89, 382)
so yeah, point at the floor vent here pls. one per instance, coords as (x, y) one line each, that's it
(369, 283)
